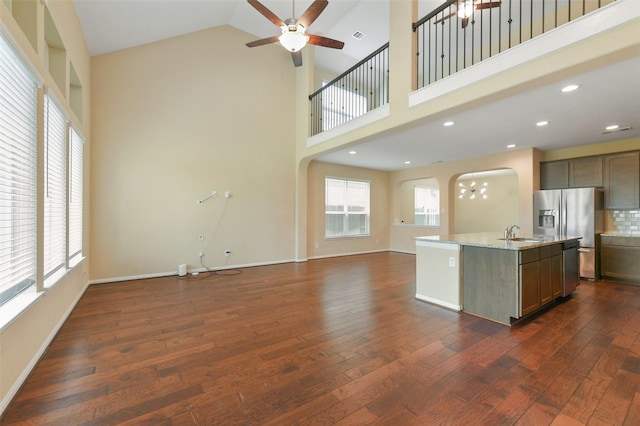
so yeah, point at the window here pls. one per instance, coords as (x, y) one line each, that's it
(340, 105)
(18, 175)
(76, 144)
(346, 207)
(55, 184)
(427, 206)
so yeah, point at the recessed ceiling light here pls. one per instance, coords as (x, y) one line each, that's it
(570, 88)
(407, 162)
(612, 127)
(448, 123)
(542, 123)
(511, 146)
(352, 152)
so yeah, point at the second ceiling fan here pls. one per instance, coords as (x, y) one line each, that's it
(294, 32)
(465, 9)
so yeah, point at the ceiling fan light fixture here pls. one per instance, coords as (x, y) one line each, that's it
(466, 8)
(293, 38)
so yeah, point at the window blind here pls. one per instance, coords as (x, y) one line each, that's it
(55, 184)
(76, 145)
(18, 174)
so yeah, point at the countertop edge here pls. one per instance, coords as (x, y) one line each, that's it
(486, 240)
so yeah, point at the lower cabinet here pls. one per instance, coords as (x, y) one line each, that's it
(620, 258)
(540, 274)
(530, 287)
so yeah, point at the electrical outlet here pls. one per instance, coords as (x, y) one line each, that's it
(201, 237)
(200, 254)
(227, 252)
(452, 261)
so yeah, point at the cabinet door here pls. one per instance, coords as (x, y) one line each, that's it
(546, 290)
(554, 175)
(529, 287)
(622, 181)
(621, 262)
(556, 276)
(585, 172)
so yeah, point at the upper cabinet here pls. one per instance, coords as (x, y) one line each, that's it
(574, 173)
(554, 175)
(585, 172)
(619, 174)
(622, 181)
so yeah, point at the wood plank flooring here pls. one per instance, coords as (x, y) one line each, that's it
(331, 341)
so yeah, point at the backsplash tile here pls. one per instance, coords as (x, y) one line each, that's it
(623, 221)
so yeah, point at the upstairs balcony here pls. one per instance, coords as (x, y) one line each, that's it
(457, 35)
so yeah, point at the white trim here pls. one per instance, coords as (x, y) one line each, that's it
(347, 254)
(608, 17)
(437, 245)
(43, 347)
(364, 120)
(199, 270)
(452, 306)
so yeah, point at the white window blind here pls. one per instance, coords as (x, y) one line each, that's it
(346, 207)
(55, 184)
(18, 175)
(76, 145)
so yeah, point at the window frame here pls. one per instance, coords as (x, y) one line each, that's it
(434, 212)
(345, 209)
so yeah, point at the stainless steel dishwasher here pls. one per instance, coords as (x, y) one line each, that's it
(571, 267)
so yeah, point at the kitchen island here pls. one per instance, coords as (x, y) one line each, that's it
(492, 277)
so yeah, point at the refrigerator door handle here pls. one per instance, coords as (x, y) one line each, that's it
(583, 250)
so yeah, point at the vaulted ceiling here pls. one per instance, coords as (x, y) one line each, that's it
(609, 95)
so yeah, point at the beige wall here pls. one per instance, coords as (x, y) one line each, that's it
(318, 246)
(492, 214)
(25, 339)
(524, 162)
(174, 120)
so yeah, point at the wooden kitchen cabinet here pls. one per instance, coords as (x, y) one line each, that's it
(554, 175)
(620, 258)
(622, 181)
(556, 274)
(530, 287)
(585, 172)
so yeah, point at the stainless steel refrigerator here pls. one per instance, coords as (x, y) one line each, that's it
(573, 212)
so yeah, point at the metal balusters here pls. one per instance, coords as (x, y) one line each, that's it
(360, 89)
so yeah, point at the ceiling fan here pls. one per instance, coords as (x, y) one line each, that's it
(294, 32)
(465, 9)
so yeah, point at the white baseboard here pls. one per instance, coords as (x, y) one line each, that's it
(197, 270)
(347, 254)
(448, 305)
(45, 344)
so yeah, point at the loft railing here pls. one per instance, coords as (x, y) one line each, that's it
(360, 89)
(446, 43)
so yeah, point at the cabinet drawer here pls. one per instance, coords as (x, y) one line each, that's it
(528, 256)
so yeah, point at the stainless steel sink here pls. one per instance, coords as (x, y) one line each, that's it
(522, 239)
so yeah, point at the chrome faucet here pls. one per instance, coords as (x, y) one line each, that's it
(509, 232)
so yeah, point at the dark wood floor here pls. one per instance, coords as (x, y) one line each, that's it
(332, 341)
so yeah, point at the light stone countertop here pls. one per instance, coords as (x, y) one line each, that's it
(620, 234)
(495, 240)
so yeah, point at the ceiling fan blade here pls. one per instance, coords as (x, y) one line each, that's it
(451, 15)
(487, 5)
(325, 41)
(263, 41)
(266, 12)
(312, 13)
(297, 58)
(465, 22)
